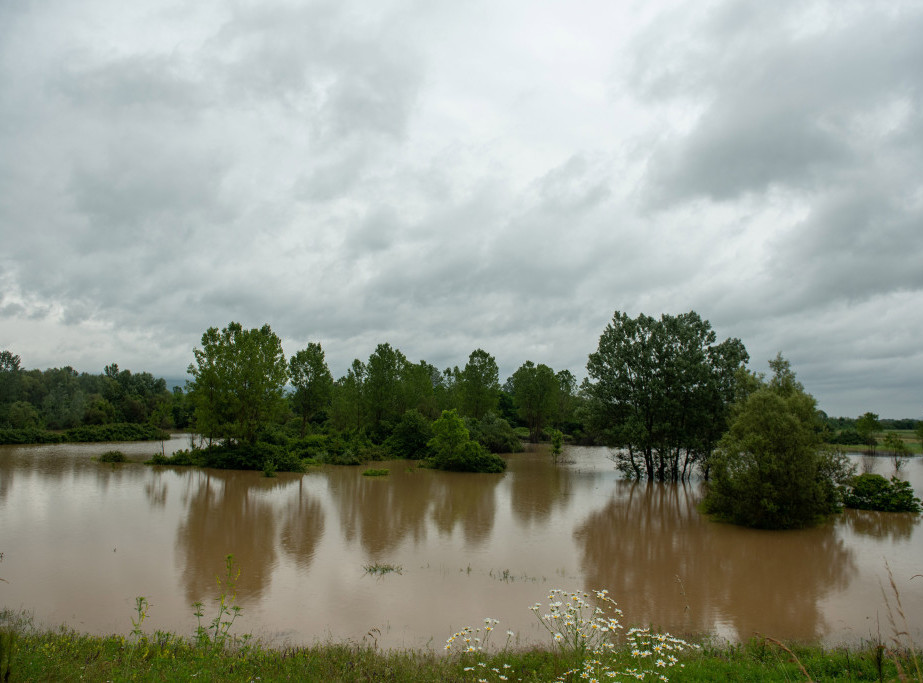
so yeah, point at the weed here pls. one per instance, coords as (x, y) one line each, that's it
(376, 473)
(218, 632)
(381, 568)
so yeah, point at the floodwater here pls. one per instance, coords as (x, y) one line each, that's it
(80, 540)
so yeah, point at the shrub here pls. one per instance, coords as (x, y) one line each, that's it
(874, 492)
(113, 456)
(495, 434)
(454, 450)
(376, 473)
(770, 471)
(410, 436)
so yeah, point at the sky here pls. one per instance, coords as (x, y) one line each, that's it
(446, 176)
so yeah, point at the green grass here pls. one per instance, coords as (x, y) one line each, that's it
(64, 655)
(382, 568)
(376, 473)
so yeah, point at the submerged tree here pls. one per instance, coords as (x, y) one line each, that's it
(453, 449)
(238, 382)
(770, 471)
(660, 390)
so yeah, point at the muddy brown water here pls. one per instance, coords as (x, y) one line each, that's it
(80, 540)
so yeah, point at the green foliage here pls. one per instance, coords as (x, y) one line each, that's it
(874, 492)
(454, 450)
(770, 471)
(241, 456)
(218, 633)
(312, 382)
(535, 394)
(557, 439)
(480, 384)
(495, 434)
(868, 426)
(113, 456)
(238, 381)
(410, 436)
(376, 473)
(661, 390)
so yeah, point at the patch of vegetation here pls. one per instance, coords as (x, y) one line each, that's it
(454, 450)
(113, 456)
(376, 473)
(874, 492)
(381, 568)
(770, 471)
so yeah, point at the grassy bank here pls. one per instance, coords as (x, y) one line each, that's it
(64, 655)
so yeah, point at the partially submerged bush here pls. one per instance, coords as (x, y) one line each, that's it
(113, 456)
(454, 450)
(874, 492)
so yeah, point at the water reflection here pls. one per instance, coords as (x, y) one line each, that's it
(226, 514)
(650, 546)
(302, 528)
(468, 501)
(539, 492)
(381, 511)
(895, 526)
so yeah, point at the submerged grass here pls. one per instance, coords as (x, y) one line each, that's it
(382, 568)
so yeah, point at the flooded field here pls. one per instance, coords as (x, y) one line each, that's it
(80, 540)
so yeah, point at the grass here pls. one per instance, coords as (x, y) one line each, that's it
(64, 655)
(381, 569)
(376, 473)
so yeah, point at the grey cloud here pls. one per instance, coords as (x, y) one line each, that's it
(777, 107)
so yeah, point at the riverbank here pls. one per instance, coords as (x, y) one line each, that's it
(65, 655)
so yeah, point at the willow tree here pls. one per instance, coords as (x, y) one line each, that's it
(238, 382)
(659, 391)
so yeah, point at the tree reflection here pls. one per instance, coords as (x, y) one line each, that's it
(303, 528)
(896, 526)
(382, 511)
(668, 564)
(466, 499)
(225, 514)
(540, 489)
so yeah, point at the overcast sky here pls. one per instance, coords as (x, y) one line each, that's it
(445, 176)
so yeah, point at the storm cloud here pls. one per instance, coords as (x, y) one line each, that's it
(446, 176)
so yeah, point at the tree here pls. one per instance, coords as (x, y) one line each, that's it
(480, 384)
(770, 471)
(660, 391)
(557, 439)
(535, 394)
(312, 381)
(868, 426)
(897, 448)
(454, 450)
(918, 430)
(382, 390)
(238, 382)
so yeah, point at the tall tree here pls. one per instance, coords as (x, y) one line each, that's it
(868, 426)
(535, 394)
(383, 384)
(238, 382)
(480, 384)
(659, 390)
(312, 382)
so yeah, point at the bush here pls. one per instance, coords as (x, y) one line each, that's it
(874, 492)
(770, 471)
(376, 473)
(113, 456)
(495, 434)
(410, 436)
(454, 450)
